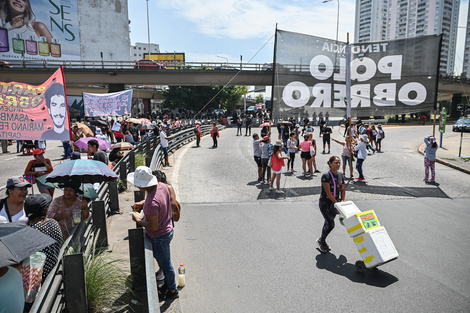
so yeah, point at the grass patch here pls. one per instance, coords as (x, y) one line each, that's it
(139, 159)
(450, 159)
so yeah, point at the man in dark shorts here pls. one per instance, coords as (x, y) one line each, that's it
(326, 131)
(257, 156)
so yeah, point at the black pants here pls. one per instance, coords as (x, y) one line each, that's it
(214, 139)
(198, 140)
(248, 130)
(328, 211)
(291, 160)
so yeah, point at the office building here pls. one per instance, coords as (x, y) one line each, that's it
(140, 50)
(466, 58)
(378, 20)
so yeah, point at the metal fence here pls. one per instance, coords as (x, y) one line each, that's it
(64, 289)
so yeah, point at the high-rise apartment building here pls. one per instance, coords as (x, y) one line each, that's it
(378, 20)
(466, 58)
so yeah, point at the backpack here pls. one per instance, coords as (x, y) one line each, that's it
(195, 130)
(177, 212)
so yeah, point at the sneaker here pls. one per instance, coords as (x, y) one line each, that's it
(172, 294)
(425, 179)
(317, 171)
(361, 179)
(279, 191)
(271, 188)
(322, 246)
(265, 182)
(260, 179)
(269, 182)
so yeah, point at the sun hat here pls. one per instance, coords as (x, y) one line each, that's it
(142, 177)
(278, 143)
(17, 181)
(36, 205)
(37, 151)
(365, 138)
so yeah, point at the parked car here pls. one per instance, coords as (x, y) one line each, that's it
(218, 112)
(148, 64)
(462, 124)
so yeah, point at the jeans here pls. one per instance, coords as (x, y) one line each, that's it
(359, 167)
(161, 253)
(67, 149)
(239, 129)
(264, 163)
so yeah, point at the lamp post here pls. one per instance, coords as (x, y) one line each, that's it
(148, 28)
(337, 27)
(226, 60)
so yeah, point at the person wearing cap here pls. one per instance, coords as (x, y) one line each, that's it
(198, 132)
(361, 149)
(380, 137)
(35, 207)
(39, 167)
(12, 207)
(266, 152)
(62, 208)
(164, 143)
(430, 158)
(278, 163)
(157, 221)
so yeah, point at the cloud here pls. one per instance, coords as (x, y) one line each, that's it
(257, 18)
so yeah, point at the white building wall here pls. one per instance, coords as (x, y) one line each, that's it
(104, 27)
(140, 49)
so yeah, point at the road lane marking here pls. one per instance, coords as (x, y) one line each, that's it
(177, 166)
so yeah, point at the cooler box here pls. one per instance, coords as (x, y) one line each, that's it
(361, 222)
(375, 247)
(346, 209)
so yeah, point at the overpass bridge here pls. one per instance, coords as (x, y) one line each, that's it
(97, 76)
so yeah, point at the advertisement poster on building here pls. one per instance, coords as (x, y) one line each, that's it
(30, 112)
(39, 30)
(170, 60)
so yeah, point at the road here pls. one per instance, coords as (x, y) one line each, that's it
(247, 250)
(15, 163)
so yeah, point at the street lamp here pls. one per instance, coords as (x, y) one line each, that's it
(226, 60)
(148, 28)
(337, 27)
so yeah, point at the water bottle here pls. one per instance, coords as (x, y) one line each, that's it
(181, 277)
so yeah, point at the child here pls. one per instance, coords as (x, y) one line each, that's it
(278, 163)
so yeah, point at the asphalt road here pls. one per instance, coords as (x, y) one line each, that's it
(14, 164)
(247, 250)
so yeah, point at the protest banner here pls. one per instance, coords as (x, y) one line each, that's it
(386, 77)
(108, 104)
(30, 112)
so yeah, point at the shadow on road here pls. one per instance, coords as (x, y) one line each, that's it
(419, 192)
(340, 266)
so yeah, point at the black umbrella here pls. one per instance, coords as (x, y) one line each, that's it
(17, 242)
(99, 123)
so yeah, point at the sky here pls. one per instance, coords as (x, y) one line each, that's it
(216, 31)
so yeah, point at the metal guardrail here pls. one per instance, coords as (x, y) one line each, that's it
(52, 296)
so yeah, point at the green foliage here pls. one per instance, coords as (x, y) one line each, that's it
(260, 99)
(139, 159)
(196, 97)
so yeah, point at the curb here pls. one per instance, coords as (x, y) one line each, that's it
(444, 162)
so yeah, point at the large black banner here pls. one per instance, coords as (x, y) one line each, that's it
(387, 77)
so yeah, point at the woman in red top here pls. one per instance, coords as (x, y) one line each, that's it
(214, 134)
(278, 163)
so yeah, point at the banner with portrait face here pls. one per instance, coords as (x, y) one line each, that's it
(387, 78)
(30, 112)
(107, 104)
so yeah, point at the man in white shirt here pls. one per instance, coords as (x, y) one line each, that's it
(164, 142)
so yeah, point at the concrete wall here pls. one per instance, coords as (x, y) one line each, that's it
(104, 27)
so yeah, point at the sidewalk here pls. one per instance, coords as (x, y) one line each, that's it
(449, 153)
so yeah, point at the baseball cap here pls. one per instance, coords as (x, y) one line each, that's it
(265, 138)
(17, 181)
(35, 205)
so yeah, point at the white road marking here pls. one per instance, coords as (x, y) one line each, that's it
(176, 168)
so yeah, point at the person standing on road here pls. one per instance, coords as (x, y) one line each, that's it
(198, 132)
(313, 153)
(346, 155)
(278, 163)
(214, 134)
(257, 156)
(326, 131)
(430, 158)
(292, 146)
(361, 149)
(164, 142)
(248, 125)
(266, 152)
(157, 221)
(305, 154)
(332, 191)
(239, 126)
(380, 137)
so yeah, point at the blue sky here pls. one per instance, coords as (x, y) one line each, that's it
(204, 30)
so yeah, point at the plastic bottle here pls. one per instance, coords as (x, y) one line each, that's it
(181, 276)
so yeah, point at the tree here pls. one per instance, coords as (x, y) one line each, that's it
(259, 98)
(197, 97)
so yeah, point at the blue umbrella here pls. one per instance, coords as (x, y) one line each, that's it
(86, 171)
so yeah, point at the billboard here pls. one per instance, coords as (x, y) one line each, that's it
(170, 60)
(39, 30)
(30, 112)
(386, 77)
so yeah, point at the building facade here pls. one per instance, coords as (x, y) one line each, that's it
(378, 20)
(140, 50)
(466, 58)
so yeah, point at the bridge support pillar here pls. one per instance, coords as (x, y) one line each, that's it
(456, 99)
(116, 87)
